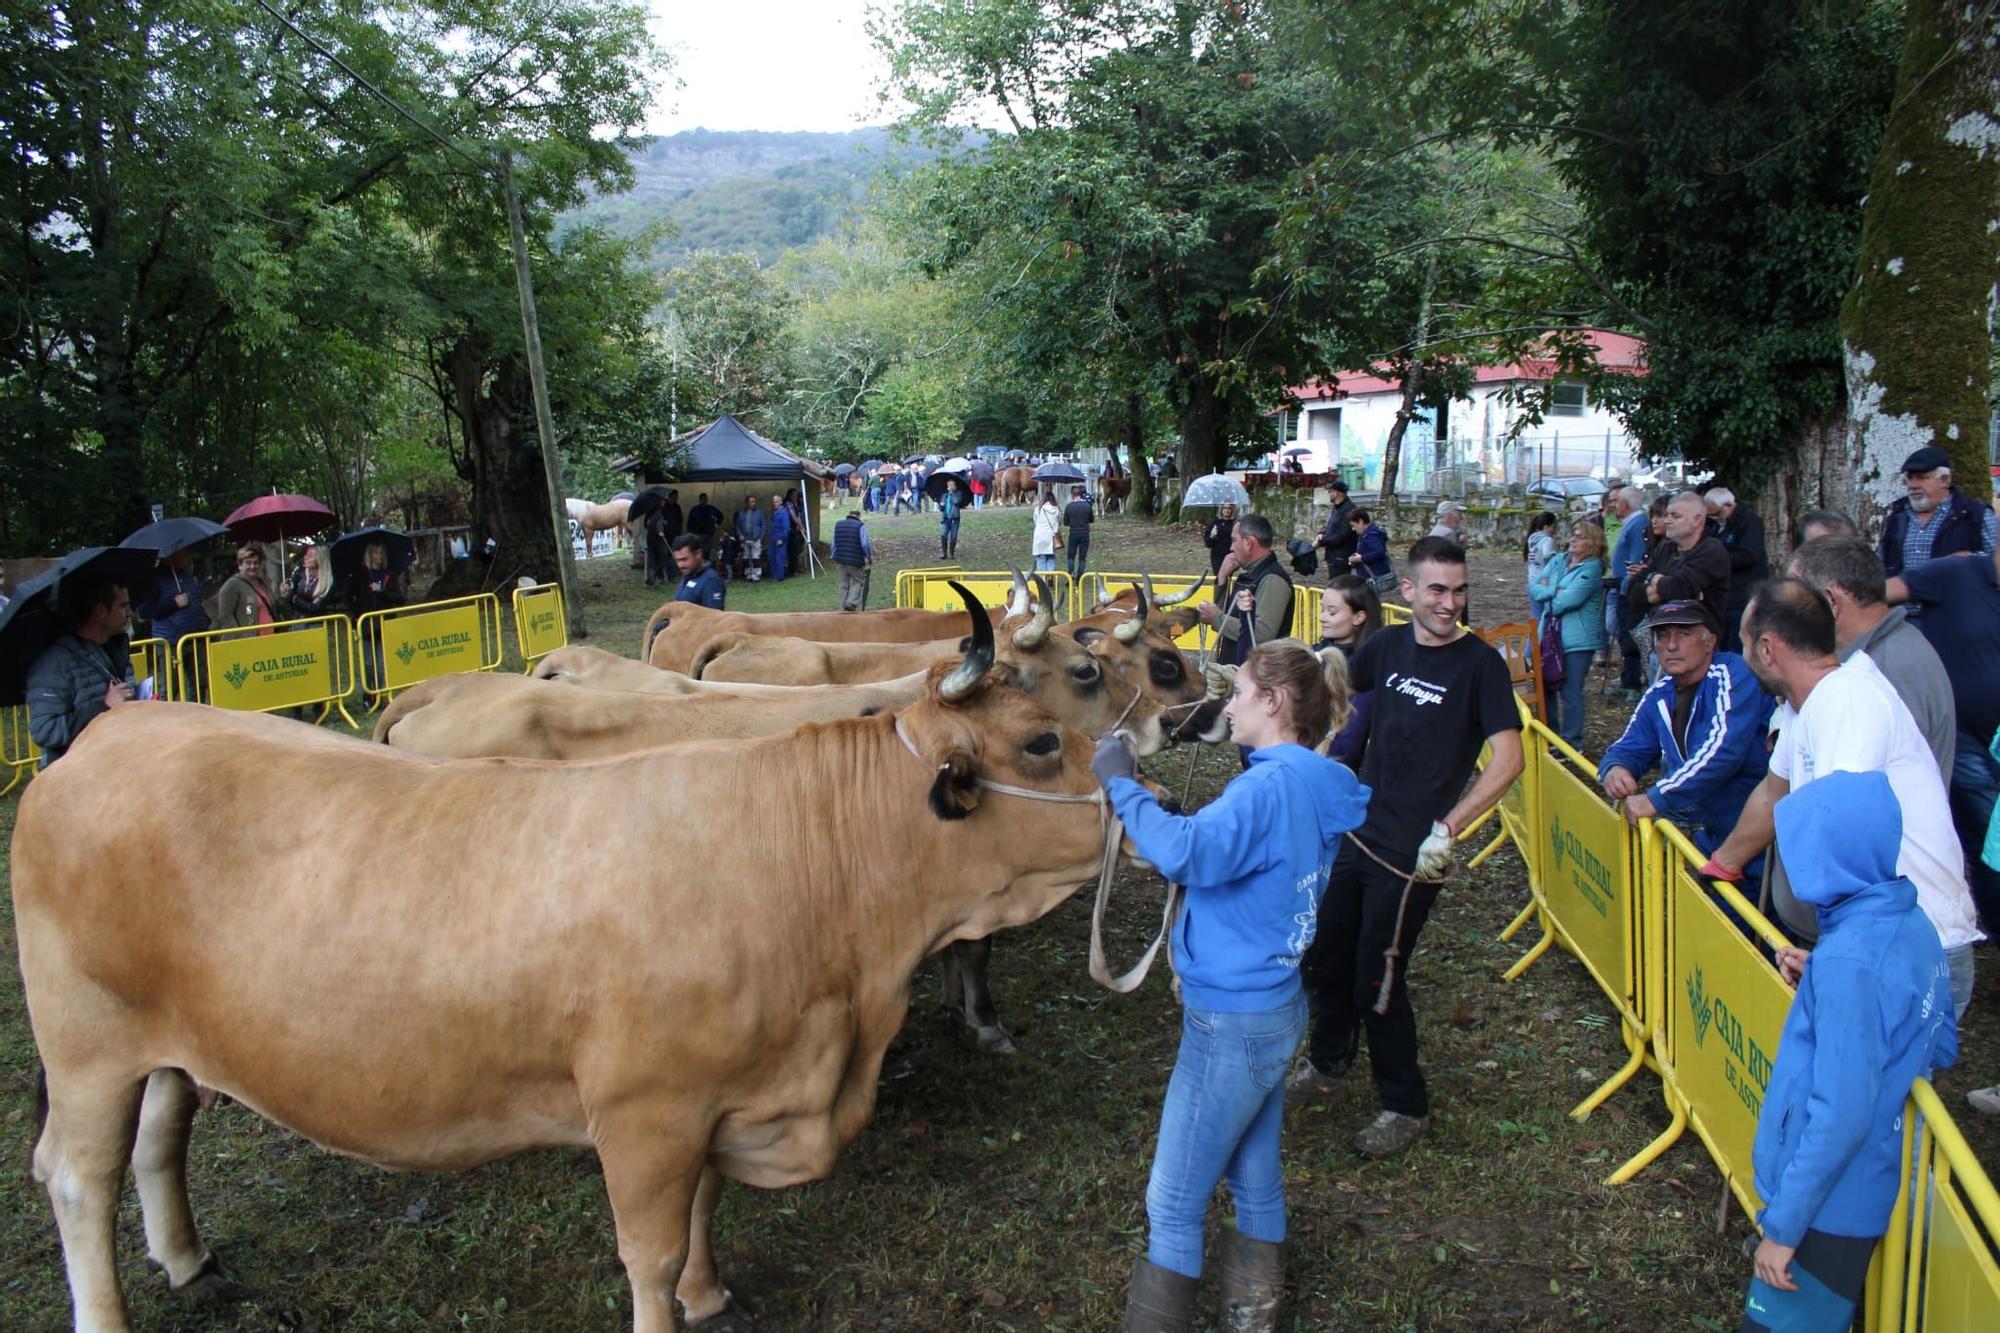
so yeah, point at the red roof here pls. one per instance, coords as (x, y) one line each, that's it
(1615, 351)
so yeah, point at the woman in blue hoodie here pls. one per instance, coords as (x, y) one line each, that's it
(1255, 861)
(1570, 589)
(1873, 1013)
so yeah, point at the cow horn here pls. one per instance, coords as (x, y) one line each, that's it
(1033, 634)
(1130, 630)
(1183, 596)
(965, 677)
(1017, 602)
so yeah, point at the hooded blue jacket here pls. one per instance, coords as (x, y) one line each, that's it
(1872, 1015)
(1255, 861)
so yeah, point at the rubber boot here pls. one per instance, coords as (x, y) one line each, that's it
(1251, 1274)
(1162, 1301)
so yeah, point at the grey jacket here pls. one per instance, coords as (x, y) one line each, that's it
(66, 688)
(751, 525)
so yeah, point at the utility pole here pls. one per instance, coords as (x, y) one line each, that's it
(545, 424)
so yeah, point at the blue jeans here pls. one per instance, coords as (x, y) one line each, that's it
(1223, 1115)
(1975, 779)
(1568, 706)
(1046, 562)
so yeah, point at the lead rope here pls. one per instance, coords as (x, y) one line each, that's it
(1395, 949)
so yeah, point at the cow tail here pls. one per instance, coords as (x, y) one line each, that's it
(708, 652)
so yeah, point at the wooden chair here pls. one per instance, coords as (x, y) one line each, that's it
(1518, 643)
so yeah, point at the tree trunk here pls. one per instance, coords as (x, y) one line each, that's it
(1201, 449)
(1916, 327)
(1819, 475)
(1140, 501)
(510, 503)
(1392, 448)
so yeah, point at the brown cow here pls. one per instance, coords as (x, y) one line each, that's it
(472, 715)
(1014, 485)
(535, 998)
(606, 517)
(677, 630)
(769, 660)
(596, 669)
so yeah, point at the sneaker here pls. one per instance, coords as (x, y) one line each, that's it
(1985, 1099)
(1390, 1133)
(1309, 1080)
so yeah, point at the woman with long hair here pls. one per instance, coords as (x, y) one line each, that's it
(1572, 587)
(311, 591)
(1349, 612)
(1538, 548)
(1255, 861)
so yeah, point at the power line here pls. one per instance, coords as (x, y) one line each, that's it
(485, 168)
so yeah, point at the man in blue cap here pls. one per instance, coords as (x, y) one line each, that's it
(1935, 518)
(1872, 1014)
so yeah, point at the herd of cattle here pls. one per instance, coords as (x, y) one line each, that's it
(436, 958)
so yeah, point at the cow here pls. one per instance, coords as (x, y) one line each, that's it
(476, 714)
(607, 517)
(677, 630)
(595, 669)
(537, 995)
(577, 510)
(1014, 485)
(1113, 489)
(771, 660)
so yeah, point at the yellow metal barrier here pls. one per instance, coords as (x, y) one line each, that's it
(153, 660)
(909, 582)
(405, 644)
(1094, 588)
(1305, 613)
(541, 623)
(18, 750)
(1585, 880)
(1721, 1005)
(932, 590)
(1947, 1223)
(262, 668)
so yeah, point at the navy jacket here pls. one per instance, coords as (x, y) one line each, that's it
(1703, 789)
(703, 589)
(1961, 527)
(170, 622)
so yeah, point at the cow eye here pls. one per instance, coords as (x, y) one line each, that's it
(1046, 743)
(1085, 672)
(1168, 670)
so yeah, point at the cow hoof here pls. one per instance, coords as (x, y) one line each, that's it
(729, 1318)
(993, 1041)
(209, 1285)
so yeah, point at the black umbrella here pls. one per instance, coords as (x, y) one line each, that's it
(352, 549)
(934, 485)
(981, 472)
(842, 469)
(35, 618)
(871, 464)
(916, 458)
(1058, 472)
(645, 503)
(173, 534)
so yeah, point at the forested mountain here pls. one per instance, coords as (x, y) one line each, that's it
(753, 191)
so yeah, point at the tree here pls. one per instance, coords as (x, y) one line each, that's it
(1917, 324)
(731, 326)
(1132, 205)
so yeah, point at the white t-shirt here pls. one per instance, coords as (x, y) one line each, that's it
(1855, 722)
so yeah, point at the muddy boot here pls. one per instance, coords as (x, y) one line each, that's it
(1162, 1301)
(1251, 1274)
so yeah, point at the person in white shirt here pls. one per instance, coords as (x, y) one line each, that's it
(1846, 717)
(1048, 520)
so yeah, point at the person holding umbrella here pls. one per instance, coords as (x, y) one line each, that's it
(373, 586)
(86, 672)
(1048, 531)
(950, 501)
(174, 607)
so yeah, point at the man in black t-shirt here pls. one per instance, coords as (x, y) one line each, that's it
(1440, 693)
(1077, 516)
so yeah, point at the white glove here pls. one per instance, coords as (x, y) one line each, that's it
(1220, 679)
(1434, 857)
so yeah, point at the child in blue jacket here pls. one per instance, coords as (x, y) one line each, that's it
(1255, 862)
(1873, 1013)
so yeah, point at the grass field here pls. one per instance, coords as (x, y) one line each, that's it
(1001, 1193)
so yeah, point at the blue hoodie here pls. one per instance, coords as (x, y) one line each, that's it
(1255, 861)
(1872, 1015)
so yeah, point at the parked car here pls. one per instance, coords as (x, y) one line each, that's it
(1565, 491)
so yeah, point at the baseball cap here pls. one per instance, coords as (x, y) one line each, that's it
(1686, 612)
(1927, 459)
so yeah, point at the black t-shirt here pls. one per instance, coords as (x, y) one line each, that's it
(1077, 517)
(1431, 710)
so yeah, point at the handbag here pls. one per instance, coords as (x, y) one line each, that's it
(1551, 649)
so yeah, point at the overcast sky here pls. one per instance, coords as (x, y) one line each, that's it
(767, 65)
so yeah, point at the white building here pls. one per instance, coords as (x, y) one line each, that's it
(1347, 421)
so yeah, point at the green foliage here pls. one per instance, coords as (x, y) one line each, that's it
(729, 331)
(224, 256)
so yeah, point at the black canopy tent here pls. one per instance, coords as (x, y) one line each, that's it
(727, 451)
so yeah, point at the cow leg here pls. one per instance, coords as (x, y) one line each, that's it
(81, 1158)
(974, 999)
(159, 1163)
(652, 1187)
(701, 1293)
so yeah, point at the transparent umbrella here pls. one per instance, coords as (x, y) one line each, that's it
(1215, 489)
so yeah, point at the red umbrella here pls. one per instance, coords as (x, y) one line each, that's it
(272, 518)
